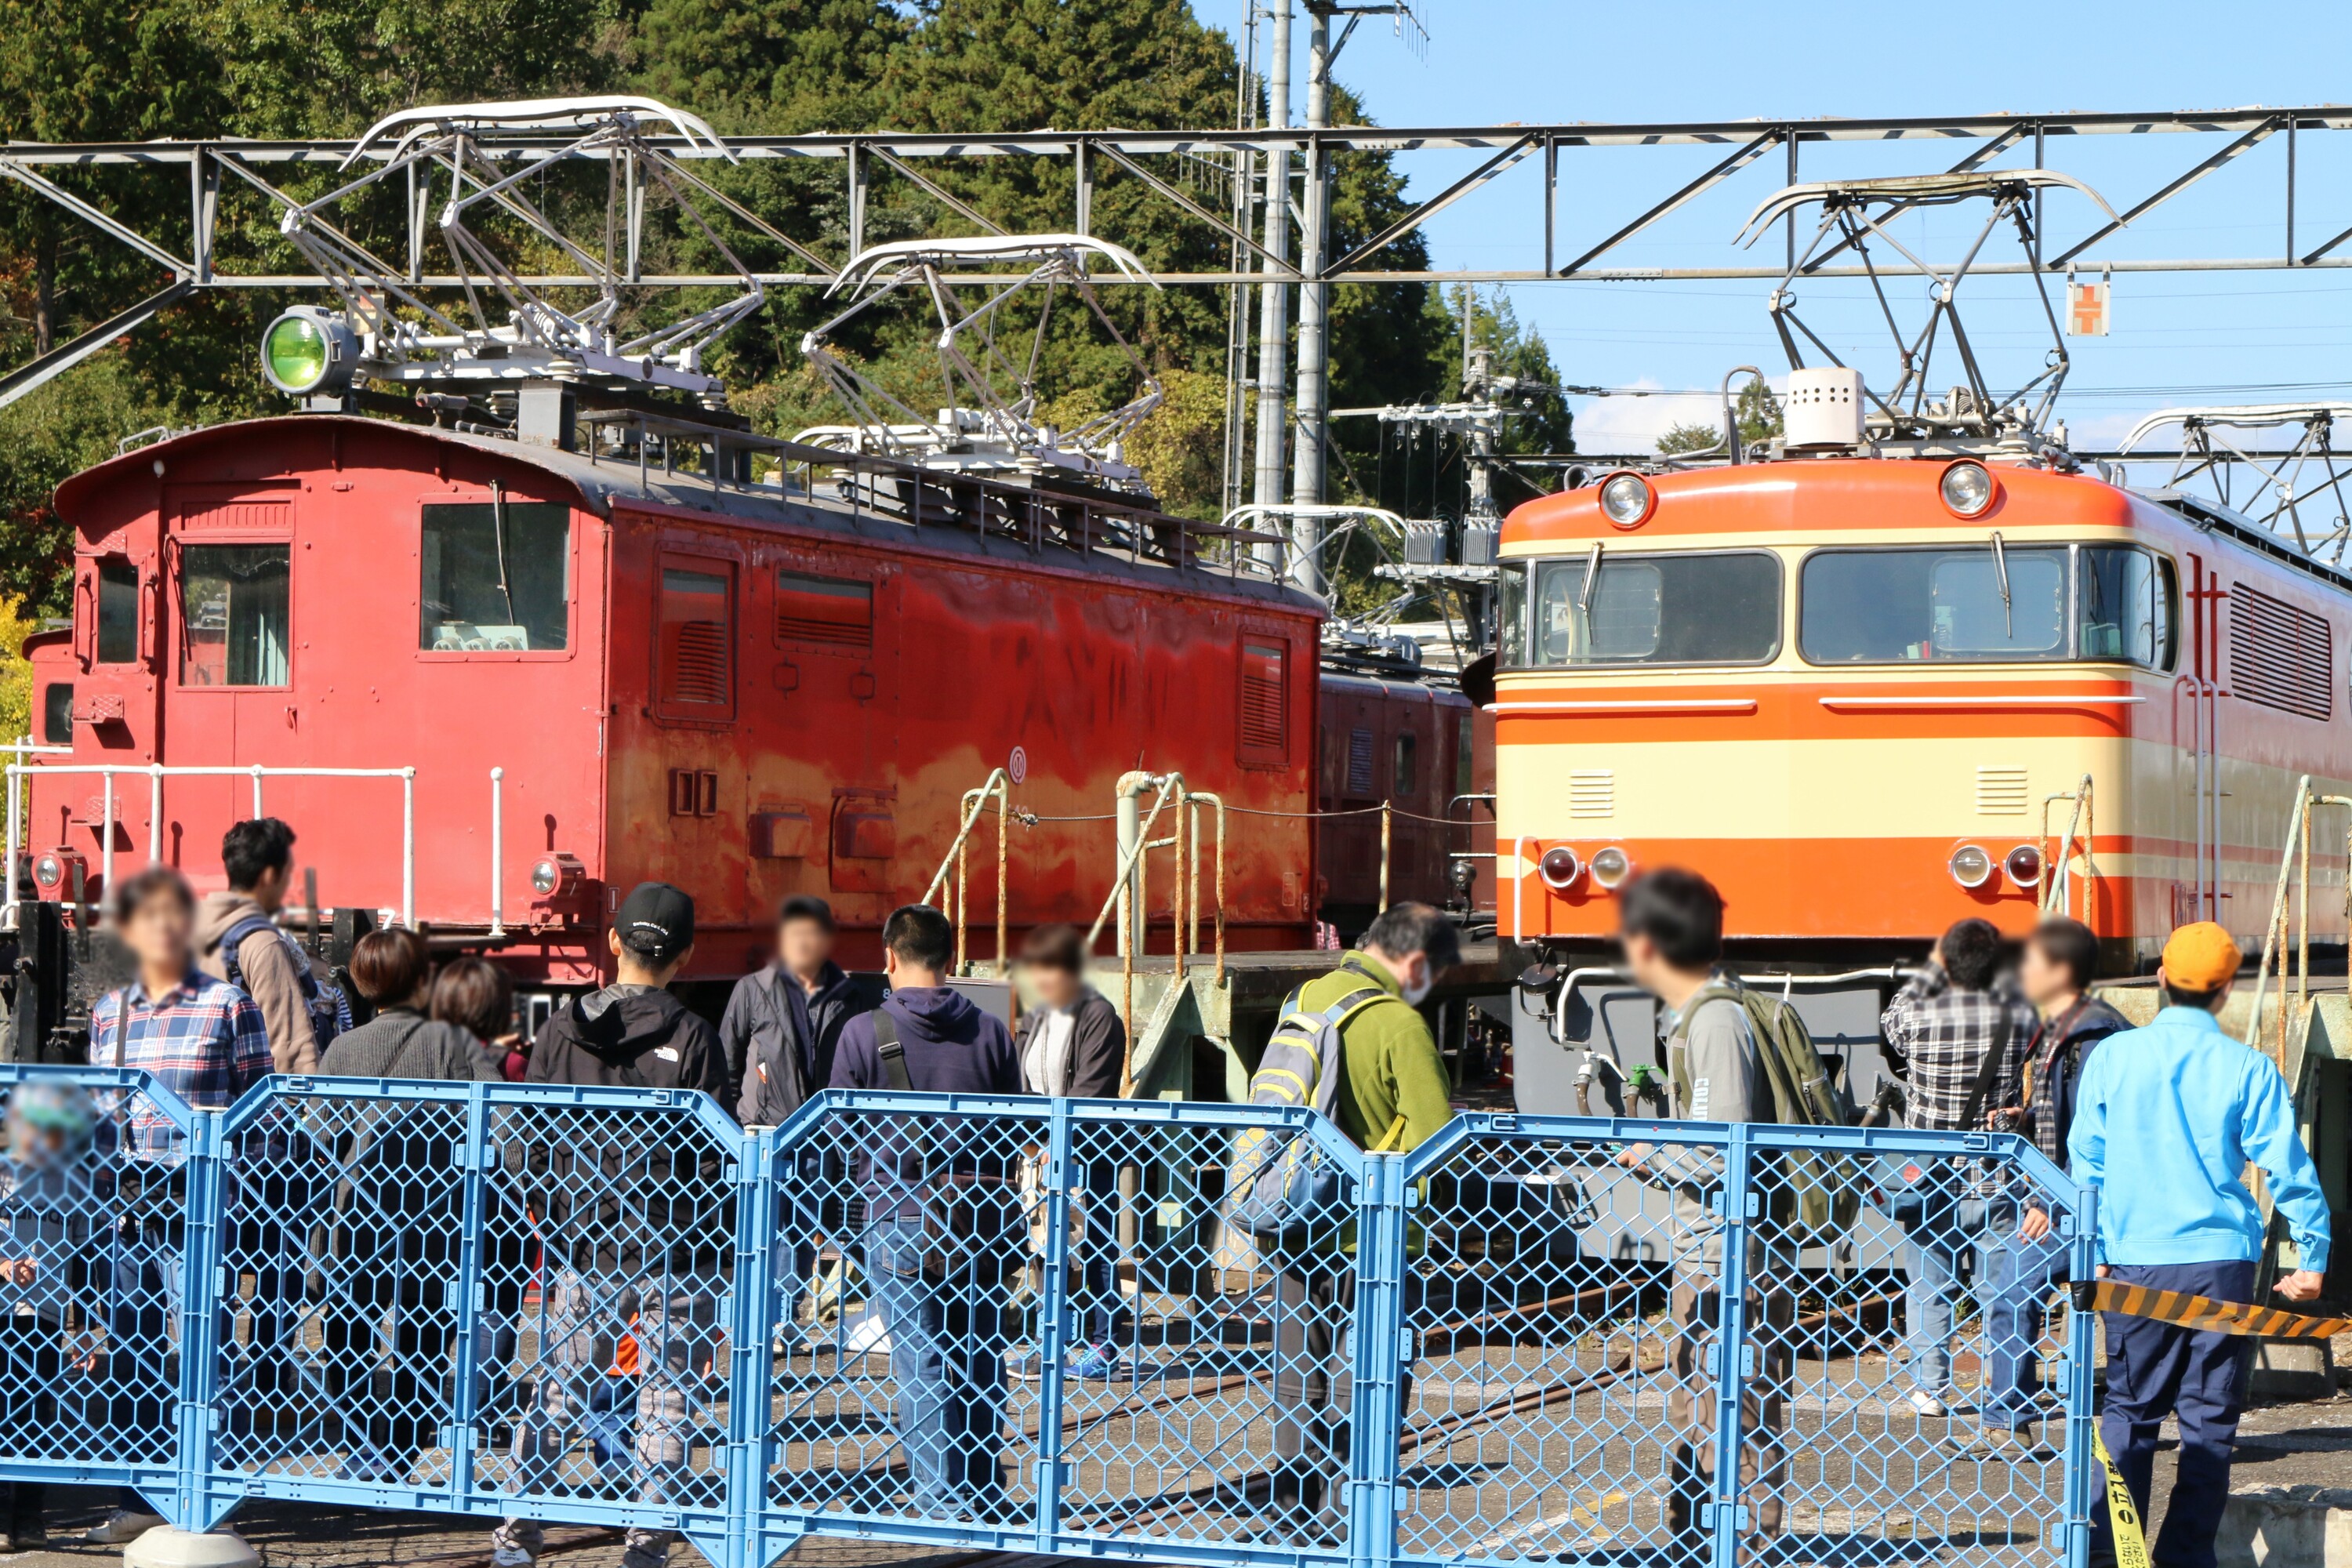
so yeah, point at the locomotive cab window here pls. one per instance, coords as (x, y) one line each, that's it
(56, 713)
(118, 610)
(494, 577)
(1989, 603)
(1682, 608)
(2124, 607)
(233, 614)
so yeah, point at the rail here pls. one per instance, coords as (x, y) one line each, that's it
(2295, 860)
(400, 1295)
(156, 774)
(2057, 869)
(997, 787)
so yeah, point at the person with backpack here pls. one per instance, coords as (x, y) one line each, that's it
(2055, 975)
(637, 1224)
(1352, 1044)
(396, 1239)
(238, 941)
(1962, 1037)
(1720, 1067)
(944, 1227)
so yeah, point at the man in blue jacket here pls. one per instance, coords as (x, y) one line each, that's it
(2166, 1120)
(941, 1215)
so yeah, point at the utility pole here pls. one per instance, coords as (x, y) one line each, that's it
(1274, 314)
(1314, 300)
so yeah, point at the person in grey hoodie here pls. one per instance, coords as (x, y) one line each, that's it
(783, 1020)
(259, 856)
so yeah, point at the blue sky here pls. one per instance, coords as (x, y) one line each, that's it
(1547, 61)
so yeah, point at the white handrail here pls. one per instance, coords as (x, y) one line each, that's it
(497, 852)
(156, 773)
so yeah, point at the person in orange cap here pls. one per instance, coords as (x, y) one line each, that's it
(2167, 1119)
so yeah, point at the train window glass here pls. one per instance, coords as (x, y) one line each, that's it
(233, 614)
(1900, 606)
(2120, 605)
(1659, 609)
(1511, 625)
(1465, 756)
(1404, 775)
(835, 611)
(1264, 717)
(118, 610)
(56, 713)
(696, 641)
(495, 578)
(2167, 614)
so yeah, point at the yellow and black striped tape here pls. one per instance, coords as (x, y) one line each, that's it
(2122, 1515)
(2207, 1315)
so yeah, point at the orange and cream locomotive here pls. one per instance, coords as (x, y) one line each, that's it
(1870, 696)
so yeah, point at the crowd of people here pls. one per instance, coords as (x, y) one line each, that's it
(2164, 1120)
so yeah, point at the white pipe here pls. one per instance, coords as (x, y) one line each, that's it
(1518, 889)
(14, 783)
(155, 813)
(498, 855)
(257, 792)
(407, 845)
(106, 850)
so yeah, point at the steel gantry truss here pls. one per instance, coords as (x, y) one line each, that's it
(1219, 182)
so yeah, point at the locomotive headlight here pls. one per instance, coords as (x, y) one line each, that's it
(310, 350)
(1626, 499)
(2023, 865)
(1968, 489)
(52, 872)
(1970, 866)
(554, 876)
(1611, 867)
(1559, 868)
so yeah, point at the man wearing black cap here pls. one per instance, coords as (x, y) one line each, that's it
(635, 1232)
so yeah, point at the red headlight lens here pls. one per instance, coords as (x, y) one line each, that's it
(2023, 865)
(1559, 868)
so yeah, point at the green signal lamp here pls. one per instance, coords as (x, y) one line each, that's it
(310, 351)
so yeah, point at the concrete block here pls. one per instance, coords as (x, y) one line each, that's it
(2292, 1369)
(2287, 1527)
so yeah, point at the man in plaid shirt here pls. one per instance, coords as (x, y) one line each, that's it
(203, 1040)
(1964, 1041)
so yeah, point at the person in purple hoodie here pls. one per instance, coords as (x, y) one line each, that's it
(947, 1328)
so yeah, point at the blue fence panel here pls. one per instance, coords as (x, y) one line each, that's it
(1017, 1324)
(93, 1204)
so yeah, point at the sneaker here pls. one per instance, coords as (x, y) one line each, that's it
(1092, 1363)
(1927, 1404)
(511, 1557)
(122, 1528)
(24, 1535)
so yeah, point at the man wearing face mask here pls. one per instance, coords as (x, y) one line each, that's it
(1393, 1095)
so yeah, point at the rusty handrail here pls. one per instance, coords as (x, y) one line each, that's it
(999, 786)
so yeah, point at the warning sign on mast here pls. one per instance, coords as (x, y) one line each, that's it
(2086, 308)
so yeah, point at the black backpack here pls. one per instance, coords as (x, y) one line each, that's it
(330, 1009)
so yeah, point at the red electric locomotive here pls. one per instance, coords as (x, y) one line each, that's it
(600, 671)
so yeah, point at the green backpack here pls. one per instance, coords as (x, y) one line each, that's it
(1808, 1196)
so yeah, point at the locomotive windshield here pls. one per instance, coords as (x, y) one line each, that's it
(495, 577)
(1984, 603)
(1678, 609)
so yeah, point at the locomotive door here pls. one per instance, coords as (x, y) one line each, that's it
(824, 777)
(118, 689)
(227, 665)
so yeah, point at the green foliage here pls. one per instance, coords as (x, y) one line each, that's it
(56, 432)
(1760, 421)
(129, 69)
